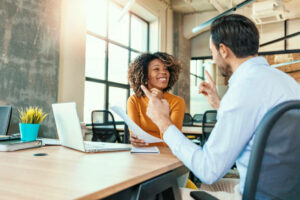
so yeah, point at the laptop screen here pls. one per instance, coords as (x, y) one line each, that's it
(68, 125)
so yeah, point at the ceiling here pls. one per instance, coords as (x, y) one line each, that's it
(191, 6)
(291, 7)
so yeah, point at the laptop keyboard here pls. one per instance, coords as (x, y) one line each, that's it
(93, 146)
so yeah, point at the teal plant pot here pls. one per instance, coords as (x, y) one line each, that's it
(29, 132)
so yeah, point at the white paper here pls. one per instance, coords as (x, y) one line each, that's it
(145, 150)
(141, 134)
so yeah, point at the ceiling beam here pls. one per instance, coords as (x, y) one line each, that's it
(191, 20)
(217, 5)
(126, 9)
(207, 23)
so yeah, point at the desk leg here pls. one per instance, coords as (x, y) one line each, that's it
(163, 187)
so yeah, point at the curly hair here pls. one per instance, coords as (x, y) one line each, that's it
(138, 70)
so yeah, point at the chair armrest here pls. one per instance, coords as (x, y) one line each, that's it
(200, 195)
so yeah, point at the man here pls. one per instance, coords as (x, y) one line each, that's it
(254, 88)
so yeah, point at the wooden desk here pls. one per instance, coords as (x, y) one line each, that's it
(197, 130)
(192, 130)
(119, 127)
(187, 130)
(70, 174)
(197, 123)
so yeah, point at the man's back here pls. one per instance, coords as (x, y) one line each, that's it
(254, 89)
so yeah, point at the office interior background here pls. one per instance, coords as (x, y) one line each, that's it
(80, 50)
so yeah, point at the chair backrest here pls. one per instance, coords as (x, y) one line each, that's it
(5, 116)
(104, 126)
(126, 138)
(274, 166)
(187, 120)
(198, 118)
(208, 123)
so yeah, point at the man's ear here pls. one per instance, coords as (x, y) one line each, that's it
(224, 51)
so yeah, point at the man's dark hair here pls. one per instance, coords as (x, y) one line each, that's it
(236, 32)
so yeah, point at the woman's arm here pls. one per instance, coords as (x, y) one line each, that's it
(132, 110)
(177, 112)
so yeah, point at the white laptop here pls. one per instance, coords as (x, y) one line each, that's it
(70, 135)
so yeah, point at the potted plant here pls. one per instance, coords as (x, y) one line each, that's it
(30, 119)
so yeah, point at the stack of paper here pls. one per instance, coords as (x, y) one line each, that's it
(141, 134)
(145, 150)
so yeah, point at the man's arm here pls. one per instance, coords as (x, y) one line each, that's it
(225, 143)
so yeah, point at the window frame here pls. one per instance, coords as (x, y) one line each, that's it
(108, 41)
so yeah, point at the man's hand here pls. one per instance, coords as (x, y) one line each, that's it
(158, 110)
(135, 141)
(209, 90)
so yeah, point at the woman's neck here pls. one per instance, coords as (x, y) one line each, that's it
(150, 87)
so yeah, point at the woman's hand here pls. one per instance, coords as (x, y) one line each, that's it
(136, 142)
(157, 93)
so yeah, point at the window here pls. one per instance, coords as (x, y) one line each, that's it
(95, 58)
(112, 42)
(93, 98)
(198, 103)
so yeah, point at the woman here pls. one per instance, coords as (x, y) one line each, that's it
(158, 72)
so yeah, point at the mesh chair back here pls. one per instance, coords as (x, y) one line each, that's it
(274, 166)
(208, 123)
(5, 116)
(104, 127)
(198, 118)
(187, 120)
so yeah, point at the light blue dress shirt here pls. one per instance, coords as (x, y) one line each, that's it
(254, 88)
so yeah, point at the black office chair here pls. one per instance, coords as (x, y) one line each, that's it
(104, 127)
(5, 117)
(208, 123)
(274, 166)
(126, 138)
(187, 120)
(198, 118)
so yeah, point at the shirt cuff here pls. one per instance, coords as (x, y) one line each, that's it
(180, 145)
(172, 136)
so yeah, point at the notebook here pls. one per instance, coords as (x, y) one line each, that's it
(15, 136)
(70, 135)
(153, 149)
(13, 145)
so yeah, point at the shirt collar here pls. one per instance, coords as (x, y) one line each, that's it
(258, 60)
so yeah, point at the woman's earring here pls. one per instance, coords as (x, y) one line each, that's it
(146, 82)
